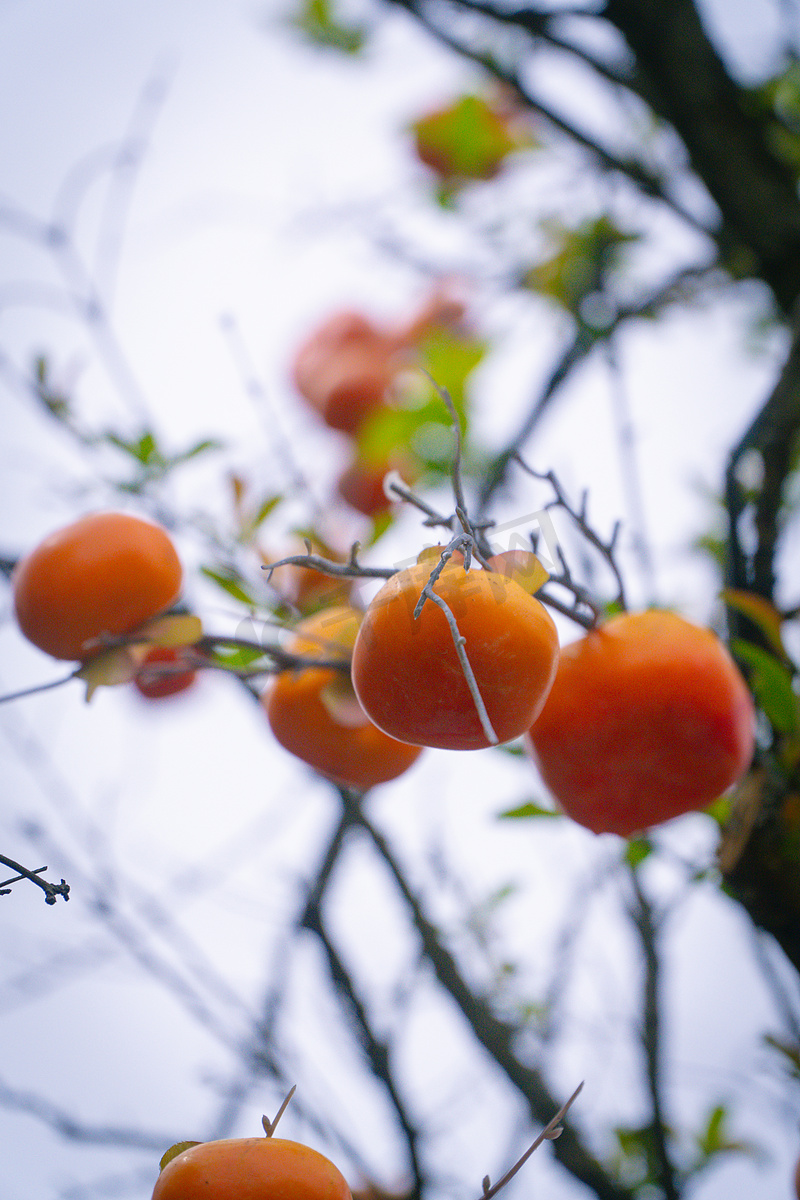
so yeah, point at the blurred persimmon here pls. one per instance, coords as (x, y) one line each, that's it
(314, 714)
(648, 717)
(164, 672)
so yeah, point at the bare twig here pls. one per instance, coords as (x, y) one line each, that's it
(51, 890)
(38, 687)
(606, 549)
(644, 919)
(459, 641)
(496, 1035)
(271, 1126)
(551, 1131)
(352, 569)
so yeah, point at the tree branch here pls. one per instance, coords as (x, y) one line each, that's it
(644, 920)
(685, 81)
(497, 1037)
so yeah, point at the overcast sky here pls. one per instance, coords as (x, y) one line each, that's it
(258, 157)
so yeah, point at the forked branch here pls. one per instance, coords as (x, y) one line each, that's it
(51, 890)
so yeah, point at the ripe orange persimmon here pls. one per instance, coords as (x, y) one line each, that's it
(106, 573)
(649, 717)
(257, 1168)
(407, 674)
(314, 714)
(361, 483)
(154, 683)
(344, 369)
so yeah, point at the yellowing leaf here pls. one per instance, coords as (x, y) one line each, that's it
(178, 629)
(174, 1151)
(522, 566)
(117, 665)
(467, 138)
(761, 612)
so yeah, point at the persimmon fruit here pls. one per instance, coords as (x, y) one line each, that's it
(344, 370)
(106, 573)
(409, 678)
(648, 717)
(314, 714)
(256, 1168)
(160, 674)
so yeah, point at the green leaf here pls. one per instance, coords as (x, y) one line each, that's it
(232, 582)
(315, 19)
(583, 259)
(529, 809)
(450, 358)
(201, 447)
(772, 685)
(714, 1139)
(789, 1051)
(761, 612)
(267, 505)
(636, 851)
(467, 139)
(236, 658)
(720, 810)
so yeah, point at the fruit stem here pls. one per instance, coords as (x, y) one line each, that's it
(271, 1126)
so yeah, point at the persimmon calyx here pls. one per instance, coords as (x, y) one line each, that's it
(174, 1151)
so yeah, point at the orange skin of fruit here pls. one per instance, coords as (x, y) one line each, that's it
(407, 674)
(344, 369)
(105, 573)
(251, 1169)
(352, 752)
(361, 486)
(649, 717)
(361, 483)
(154, 685)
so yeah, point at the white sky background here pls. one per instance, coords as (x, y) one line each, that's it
(244, 206)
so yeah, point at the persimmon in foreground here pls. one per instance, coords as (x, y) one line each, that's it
(256, 1168)
(410, 680)
(105, 573)
(648, 717)
(314, 714)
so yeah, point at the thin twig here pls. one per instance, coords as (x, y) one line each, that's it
(606, 549)
(39, 687)
(271, 1126)
(51, 890)
(551, 1131)
(459, 641)
(326, 566)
